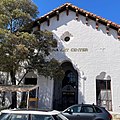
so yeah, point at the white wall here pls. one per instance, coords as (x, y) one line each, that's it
(102, 55)
(45, 92)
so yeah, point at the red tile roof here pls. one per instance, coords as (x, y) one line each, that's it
(80, 11)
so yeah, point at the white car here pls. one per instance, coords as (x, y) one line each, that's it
(26, 114)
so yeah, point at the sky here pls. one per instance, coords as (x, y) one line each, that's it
(108, 9)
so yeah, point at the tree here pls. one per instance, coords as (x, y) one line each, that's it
(21, 49)
(14, 15)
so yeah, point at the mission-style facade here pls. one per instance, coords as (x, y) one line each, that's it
(89, 53)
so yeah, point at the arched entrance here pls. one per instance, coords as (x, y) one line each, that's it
(66, 90)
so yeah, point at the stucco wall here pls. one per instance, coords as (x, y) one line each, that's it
(45, 92)
(102, 53)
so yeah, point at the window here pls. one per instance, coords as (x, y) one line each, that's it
(4, 116)
(70, 79)
(67, 38)
(56, 117)
(98, 110)
(31, 81)
(103, 93)
(87, 109)
(59, 117)
(18, 117)
(76, 109)
(41, 117)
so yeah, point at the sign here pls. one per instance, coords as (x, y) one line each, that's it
(72, 50)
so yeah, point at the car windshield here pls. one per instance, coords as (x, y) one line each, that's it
(59, 117)
(41, 117)
(5, 116)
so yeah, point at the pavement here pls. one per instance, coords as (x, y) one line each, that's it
(115, 116)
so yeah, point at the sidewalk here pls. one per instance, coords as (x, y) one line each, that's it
(115, 116)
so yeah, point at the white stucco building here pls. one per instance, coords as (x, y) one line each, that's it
(89, 52)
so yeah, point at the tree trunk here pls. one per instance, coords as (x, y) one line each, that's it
(14, 94)
(14, 100)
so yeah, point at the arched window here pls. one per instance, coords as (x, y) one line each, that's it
(103, 91)
(69, 79)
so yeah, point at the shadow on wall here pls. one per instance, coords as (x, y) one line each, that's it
(81, 97)
(81, 84)
(49, 97)
(61, 54)
(45, 98)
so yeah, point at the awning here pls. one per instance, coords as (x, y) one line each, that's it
(17, 88)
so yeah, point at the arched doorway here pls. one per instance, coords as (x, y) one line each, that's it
(66, 90)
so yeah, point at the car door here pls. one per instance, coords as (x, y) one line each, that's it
(87, 113)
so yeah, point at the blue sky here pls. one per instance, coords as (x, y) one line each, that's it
(109, 9)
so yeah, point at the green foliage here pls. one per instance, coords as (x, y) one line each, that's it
(14, 44)
(45, 43)
(23, 50)
(14, 14)
(54, 70)
(14, 49)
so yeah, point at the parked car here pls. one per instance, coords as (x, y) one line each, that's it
(86, 112)
(31, 115)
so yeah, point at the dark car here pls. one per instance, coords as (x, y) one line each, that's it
(26, 114)
(86, 112)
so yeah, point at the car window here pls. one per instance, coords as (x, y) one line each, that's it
(41, 117)
(62, 117)
(87, 109)
(18, 117)
(4, 116)
(98, 110)
(75, 109)
(56, 117)
(59, 117)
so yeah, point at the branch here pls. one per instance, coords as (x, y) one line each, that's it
(22, 78)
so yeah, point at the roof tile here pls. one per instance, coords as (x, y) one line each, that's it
(81, 11)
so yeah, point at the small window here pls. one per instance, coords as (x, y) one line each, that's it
(67, 38)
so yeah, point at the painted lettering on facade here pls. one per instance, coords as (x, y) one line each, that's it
(79, 49)
(72, 50)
